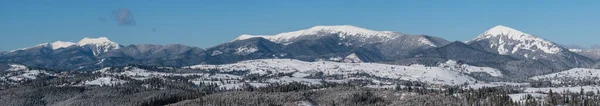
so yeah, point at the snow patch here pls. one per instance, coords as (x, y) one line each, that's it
(16, 67)
(520, 97)
(245, 50)
(216, 52)
(465, 68)
(61, 44)
(352, 58)
(427, 42)
(105, 81)
(575, 50)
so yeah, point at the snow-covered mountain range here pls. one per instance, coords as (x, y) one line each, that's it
(513, 53)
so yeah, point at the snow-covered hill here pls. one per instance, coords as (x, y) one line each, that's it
(465, 68)
(18, 73)
(450, 74)
(576, 74)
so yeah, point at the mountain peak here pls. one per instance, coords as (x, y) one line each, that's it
(506, 31)
(61, 44)
(343, 31)
(99, 45)
(97, 41)
(508, 41)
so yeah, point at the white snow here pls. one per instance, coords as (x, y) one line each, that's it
(575, 50)
(570, 75)
(103, 70)
(216, 52)
(54, 45)
(434, 75)
(32, 74)
(300, 75)
(523, 40)
(101, 61)
(427, 42)
(335, 59)
(345, 31)
(102, 44)
(144, 74)
(286, 79)
(520, 97)
(20, 73)
(17, 72)
(61, 44)
(16, 67)
(105, 81)
(494, 84)
(352, 58)
(245, 50)
(465, 68)
(563, 89)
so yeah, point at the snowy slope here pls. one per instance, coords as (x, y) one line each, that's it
(352, 58)
(344, 31)
(433, 75)
(53, 45)
(98, 45)
(564, 89)
(142, 73)
(105, 81)
(17, 72)
(506, 40)
(61, 44)
(521, 97)
(465, 68)
(571, 75)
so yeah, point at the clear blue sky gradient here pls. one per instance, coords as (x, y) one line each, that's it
(206, 23)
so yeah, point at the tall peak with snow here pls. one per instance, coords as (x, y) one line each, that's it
(342, 31)
(505, 31)
(98, 45)
(96, 41)
(506, 40)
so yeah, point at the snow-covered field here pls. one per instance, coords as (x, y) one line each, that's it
(495, 84)
(465, 68)
(105, 81)
(521, 97)
(450, 73)
(137, 72)
(564, 89)
(570, 75)
(20, 72)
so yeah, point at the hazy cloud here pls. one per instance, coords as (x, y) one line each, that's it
(572, 46)
(595, 46)
(101, 19)
(124, 16)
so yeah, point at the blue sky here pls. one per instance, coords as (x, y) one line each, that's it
(206, 23)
